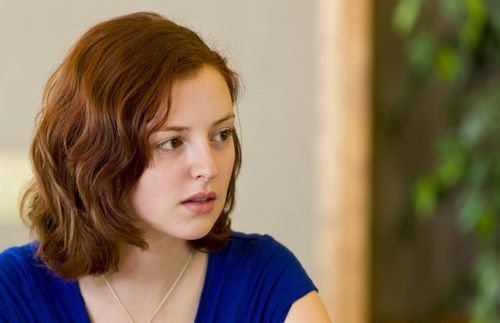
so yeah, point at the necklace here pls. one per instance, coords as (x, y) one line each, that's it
(115, 295)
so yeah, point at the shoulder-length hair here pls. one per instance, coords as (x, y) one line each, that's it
(91, 142)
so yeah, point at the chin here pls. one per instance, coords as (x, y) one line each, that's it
(200, 227)
(196, 230)
(194, 233)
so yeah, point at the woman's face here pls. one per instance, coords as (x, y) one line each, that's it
(183, 190)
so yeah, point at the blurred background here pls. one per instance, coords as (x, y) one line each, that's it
(369, 134)
(436, 167)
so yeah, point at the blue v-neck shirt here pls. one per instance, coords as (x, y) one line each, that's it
(253, 278)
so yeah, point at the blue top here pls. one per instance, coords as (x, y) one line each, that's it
(252, 279)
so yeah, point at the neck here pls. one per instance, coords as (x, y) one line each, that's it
(143, 280)
(158, 264)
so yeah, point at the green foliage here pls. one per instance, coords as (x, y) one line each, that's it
(447, 63)
(452, 10)
(421, 52)
(463, 53)
(485, 309)
(406, 15)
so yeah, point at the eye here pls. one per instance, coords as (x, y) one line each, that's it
(170, 144)
(223, 135)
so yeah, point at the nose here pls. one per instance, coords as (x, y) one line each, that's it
(204, 165)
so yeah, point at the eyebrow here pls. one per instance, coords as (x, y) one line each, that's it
(178, 128)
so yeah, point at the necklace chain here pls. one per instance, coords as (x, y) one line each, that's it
(118, 300)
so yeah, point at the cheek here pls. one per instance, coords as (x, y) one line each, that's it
(140, 195)
(151, 188)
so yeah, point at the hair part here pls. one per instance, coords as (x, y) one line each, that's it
(91, 142)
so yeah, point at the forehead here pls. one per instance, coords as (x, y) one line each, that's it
(203, 96)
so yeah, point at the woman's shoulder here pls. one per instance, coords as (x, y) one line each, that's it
(19, 251)
(256, 275)
(16, 281)
(18, 259)
(19, 265)
(262, 251)
(259, 249)
(249, 243)
(31, 292)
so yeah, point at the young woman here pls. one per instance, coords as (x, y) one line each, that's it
(135, 159)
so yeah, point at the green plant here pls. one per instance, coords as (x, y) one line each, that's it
(459, 48)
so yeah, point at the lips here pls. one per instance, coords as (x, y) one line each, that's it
(200, 203)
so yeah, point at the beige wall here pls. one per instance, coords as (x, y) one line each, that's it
(269, 42)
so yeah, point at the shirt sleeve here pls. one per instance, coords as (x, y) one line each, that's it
(15, 295)
(279, 280)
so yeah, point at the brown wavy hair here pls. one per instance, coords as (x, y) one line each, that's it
(91, 142)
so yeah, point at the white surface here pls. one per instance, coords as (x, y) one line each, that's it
(14, 175)
(12, 235)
